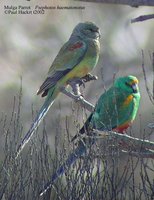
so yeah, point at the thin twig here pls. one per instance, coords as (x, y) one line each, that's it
(142, 18)
(153, 72)
(134, 3)
(147, 154)
(137, 154)
(133, 146)
(134, 143)
(145, 79)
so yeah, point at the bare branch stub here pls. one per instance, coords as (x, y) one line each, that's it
(134, 3)
(142, 18)
(150, 94)
(153, 72)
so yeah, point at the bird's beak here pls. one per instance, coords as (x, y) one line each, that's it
(99, 34)
(135, 87)
(97, 31)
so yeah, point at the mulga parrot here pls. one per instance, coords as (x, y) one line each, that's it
(78, 56)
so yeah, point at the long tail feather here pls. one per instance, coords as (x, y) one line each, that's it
(80, 150)
(41, 114)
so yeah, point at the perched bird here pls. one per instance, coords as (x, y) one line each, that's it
(115, 110)
(78, 56)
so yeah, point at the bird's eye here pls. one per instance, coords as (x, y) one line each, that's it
(91, 30)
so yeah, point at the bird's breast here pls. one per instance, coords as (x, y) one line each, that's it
(128, 100)
(80, 71)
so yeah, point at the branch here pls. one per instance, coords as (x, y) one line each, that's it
(150, 94)
(134, 3)
(127, 144)
(142, 18)
(146, 154)
(76, 94)
(79, 99)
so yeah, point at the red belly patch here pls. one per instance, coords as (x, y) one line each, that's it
(122, 128)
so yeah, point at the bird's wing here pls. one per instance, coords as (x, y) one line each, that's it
(68, 57)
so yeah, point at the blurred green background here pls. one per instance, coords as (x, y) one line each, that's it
(29, 43)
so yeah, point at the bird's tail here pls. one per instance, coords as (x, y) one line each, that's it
(78, 152)
(41, 114)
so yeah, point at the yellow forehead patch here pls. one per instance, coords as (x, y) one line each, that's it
(134, 81)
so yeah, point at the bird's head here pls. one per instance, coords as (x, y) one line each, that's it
(87, 30)
(127, 83)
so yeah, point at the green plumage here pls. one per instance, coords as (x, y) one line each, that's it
(117, 107)
(77, 57)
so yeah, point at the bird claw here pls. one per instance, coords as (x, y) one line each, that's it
(89, 77)
(76, 81)
(79, 98)
(75, 84)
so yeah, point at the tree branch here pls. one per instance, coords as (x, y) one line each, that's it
(150, 94)
(134, 3)
(142, 18)
(79, 99)
(126, 144)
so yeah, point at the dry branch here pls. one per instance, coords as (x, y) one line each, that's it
(126, 144)
(79, 99)
(142, 18)
(150, 94)
(134, 143)
(133, 3)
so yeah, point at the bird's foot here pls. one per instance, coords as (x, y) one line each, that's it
(75, 83)
(78, 98)
(89, 77)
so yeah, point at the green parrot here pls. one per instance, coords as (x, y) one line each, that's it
(78, 56)
(115, 110)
